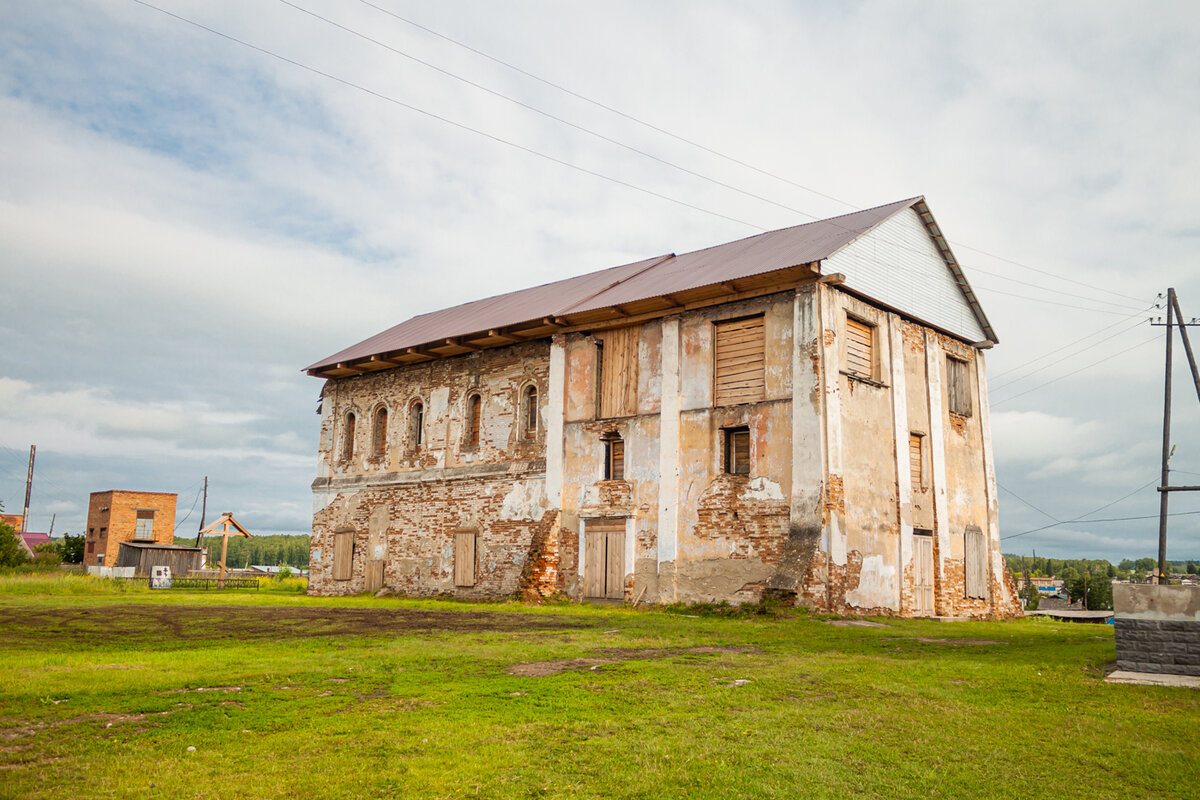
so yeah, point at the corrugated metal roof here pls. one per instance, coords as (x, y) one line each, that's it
(641, 280)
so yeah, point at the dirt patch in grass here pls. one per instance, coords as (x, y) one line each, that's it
(614, 655)
(956, 642)
(100, 626)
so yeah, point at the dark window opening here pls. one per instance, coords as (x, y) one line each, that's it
(614, 457)
(529, 406)
(737, 451)
(348, 440)
(416, 424)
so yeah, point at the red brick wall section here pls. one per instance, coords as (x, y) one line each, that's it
(119, 521)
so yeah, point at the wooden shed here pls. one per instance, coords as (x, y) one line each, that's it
(142, 556)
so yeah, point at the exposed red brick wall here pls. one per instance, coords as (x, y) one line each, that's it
(118, 521)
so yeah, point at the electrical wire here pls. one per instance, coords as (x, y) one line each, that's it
(1109, 519)
(1036, 299)
(1074, 354)
(1073, 372)
(699, 146)
(447, 120)
(1058, 350)
(1026, 502)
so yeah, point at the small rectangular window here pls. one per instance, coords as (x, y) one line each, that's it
(474, 418)
(614, 458)
(343, 555)
(91, 547)
(738, 357)
(737, 451)
(860, 348)
(958, 386)
(464, 558)
(618, 372)
(916, 460)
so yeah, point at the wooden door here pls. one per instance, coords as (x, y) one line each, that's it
(604, 559)
(923, 575)
(464, 558)
(374, 575)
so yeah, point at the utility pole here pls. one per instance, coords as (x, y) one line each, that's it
(28, 489)
(1165, 487)
(203, 510)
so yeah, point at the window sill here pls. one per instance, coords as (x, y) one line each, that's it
(861, 379)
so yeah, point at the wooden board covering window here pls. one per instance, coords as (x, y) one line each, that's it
(348, 444)
(860, 348)
(738, 353)
(958, 386)
(464, 558)
(916, 461)
(374, 576)
(614, 458)
(474, 413)
(531, 412)
(618, 354)
(604, 558)
(923, 574)
(380, 440)
(737, 451)
(975, 555)
(343, 555)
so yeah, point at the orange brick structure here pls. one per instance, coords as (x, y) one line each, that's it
(800, 414)
(117, 516)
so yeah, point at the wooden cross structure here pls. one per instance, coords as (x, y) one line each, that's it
(225, 526)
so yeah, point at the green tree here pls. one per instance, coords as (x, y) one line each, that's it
(1126, 565)
(12, 551)
(1147, 564)
(71, 548)
(1032, 596)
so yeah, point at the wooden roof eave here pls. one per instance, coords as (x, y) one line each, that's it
(626, 313)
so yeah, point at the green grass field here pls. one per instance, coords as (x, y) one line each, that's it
(104, 688)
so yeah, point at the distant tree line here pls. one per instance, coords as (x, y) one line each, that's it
(273, 550)
(1127, 569)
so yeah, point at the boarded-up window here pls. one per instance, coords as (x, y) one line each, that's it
(416, 424)
(738, 362)
(474, 415)
(343, 555)
(958, 386)
(464, 558)
(348, 438)
(614, 457)
(975, 556)
(618, 357)
(145, 524)
(916, 460)
(737, 451)
(860, 348)
(91, 547)
(529, 412)
(379, 437)
(604, 558)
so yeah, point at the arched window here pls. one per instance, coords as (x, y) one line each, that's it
(348, 438)
(529, 412)
(416, 424)
(379, 433)
(474, 413)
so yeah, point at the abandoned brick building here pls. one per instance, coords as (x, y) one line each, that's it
(803, 412)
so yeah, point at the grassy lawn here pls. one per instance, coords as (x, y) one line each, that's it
(104, 689)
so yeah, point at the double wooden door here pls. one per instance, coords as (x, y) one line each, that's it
(923, 575)
(604, 558)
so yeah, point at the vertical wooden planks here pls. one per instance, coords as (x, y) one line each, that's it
(975, 556)
(923, 574)
(343, 555)
(618, 372)
(604, 558)
(464, 558)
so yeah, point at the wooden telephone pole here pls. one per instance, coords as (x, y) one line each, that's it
(1165, 487)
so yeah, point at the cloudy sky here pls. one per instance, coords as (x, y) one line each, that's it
(196, 204)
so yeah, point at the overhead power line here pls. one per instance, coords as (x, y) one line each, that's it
(1073, 372)
(446, 120)
(1069, 355)
(1058, 350)
(712, 151)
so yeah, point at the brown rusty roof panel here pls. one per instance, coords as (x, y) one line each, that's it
(641, 280)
